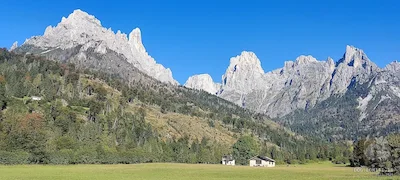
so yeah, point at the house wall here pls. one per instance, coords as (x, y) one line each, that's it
(263, 163)
(229, 163)
(253, 163)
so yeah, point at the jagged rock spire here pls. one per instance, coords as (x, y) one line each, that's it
(135, 39)
(83, 29)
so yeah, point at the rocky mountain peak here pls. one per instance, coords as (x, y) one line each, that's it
(246, 61)
(354, 57)
(82, 29)
(135, 40)
(203, 82)
(243, 75)
(393, 67)
(78, 21)
(80, 17)
(305, 59)
(14, 46)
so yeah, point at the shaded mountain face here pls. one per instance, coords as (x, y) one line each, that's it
(317, 91)
(80, 38)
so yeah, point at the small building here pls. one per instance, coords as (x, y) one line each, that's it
(261, 161)
(228, 160)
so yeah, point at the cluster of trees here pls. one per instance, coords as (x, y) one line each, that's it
(380, 154)
(86, 117)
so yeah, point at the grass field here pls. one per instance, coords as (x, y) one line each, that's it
(181, 171)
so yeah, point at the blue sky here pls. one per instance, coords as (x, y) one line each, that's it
(193, 37)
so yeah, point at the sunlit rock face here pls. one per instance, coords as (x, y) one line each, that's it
(300, 84)
(82, 30)
(203, 82)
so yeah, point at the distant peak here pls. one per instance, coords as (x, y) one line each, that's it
(303, 59)
(354, 57)
(393, 66)
(351, 51)
(14, 46)
(351, 48)
(199, 77)
(79, 21)
(136, 31)
(79, 11)
(79, 16)
(203, 76)
(246, 57)
(246, 61)
(202, 82)
(247, 53)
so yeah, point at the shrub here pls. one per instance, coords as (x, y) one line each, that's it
(64, 156)
(85, 156)
(14, 157)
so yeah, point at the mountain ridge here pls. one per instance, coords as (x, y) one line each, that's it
(83, 29)
(303, 84)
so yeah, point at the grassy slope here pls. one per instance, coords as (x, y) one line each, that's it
(174, 125)
(179, 125)
(182, 171)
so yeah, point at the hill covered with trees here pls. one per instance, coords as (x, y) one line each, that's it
(56, 113)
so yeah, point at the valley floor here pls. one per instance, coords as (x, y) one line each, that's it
(183, 171)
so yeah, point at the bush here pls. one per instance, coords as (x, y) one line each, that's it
(85, 156)
(14, 157)
(340, 160)
(64, 156)
(107, 155)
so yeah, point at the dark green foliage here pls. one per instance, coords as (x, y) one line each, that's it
(14, 157)
(359, 157)
(381, 154)
(245, 148)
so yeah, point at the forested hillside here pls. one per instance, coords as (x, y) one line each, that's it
(59, 114)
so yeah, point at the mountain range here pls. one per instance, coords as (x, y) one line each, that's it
(331, 98)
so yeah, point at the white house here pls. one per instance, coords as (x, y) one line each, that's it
(261, 161)
(228, 160)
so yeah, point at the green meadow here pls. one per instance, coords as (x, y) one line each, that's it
(183, 171)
